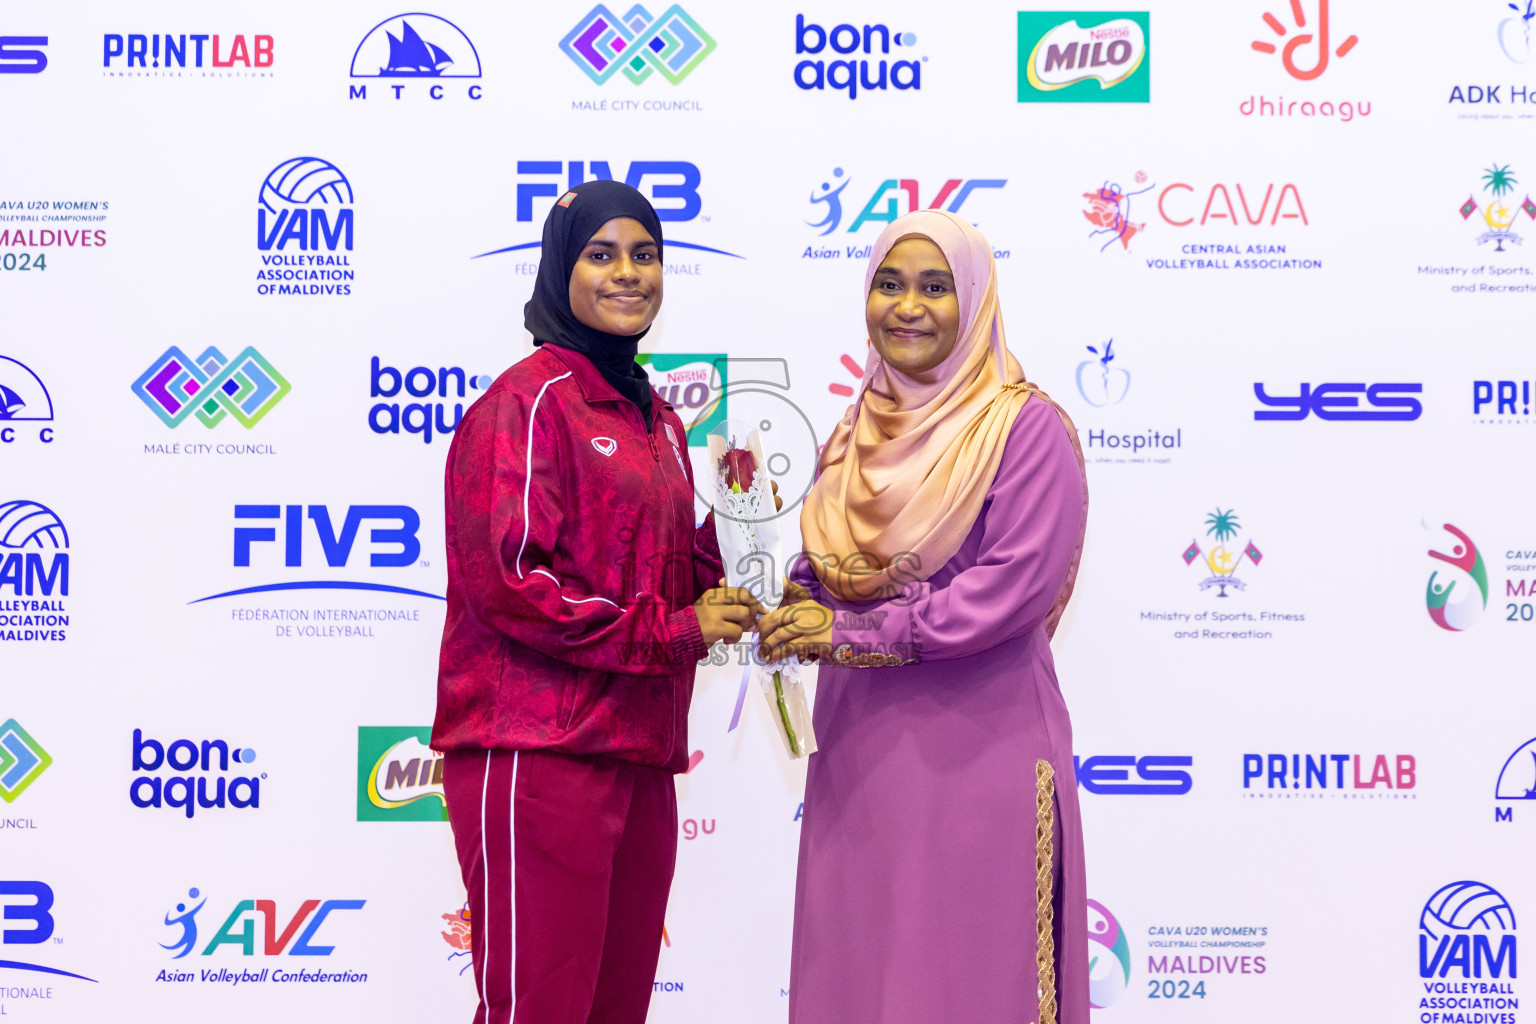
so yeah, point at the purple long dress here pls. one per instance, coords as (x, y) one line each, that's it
(918, 890)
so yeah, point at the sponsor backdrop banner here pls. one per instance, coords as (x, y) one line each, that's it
(1276, 257)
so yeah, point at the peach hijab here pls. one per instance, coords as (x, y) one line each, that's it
(904, 475)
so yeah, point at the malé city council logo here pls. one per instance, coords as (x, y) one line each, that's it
(1452, 609)
(22, 760)
(1222, 559)
(211, 387)
(1084, 57)
(637, 44)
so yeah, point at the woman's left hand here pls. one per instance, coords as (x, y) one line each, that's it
(799, 626)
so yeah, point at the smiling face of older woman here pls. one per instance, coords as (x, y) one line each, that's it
(912, 311)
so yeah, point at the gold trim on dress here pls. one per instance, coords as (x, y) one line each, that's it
(1045, 913)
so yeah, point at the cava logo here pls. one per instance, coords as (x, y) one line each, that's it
(1467, 930)
(304, 222)
(1451, 608)
(24, 402)
(603, 44)
(22, 760)
(1221, 560)
(1081, 57)
(411, 48)
(211, 387)
(399, 777)
(186, 775)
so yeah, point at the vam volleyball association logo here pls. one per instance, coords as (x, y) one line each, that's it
(1109, 957)
(34, 574)
(1457, 599)
(304, 225)
(1467, 930)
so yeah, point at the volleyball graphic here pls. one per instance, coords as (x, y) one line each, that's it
(26, 524)
(304, 180)
(1109, 957)
(1462, 906)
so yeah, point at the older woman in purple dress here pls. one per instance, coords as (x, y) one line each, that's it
(941, 854)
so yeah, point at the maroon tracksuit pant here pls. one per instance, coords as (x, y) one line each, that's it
(568, 862)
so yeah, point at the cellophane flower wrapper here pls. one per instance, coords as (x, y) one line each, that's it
(749, 547)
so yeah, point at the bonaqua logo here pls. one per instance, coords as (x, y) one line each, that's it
(24, 399)
(1109, 957)
(637, 44)
(1222, 527)
(34, 569)
(1451, 609)
(1084, 57)
(861, 68)
(211, 387)
(304, 225)
(424, 417)
(198, 764)
(411, 48)
(22, 760)
(1497, 214)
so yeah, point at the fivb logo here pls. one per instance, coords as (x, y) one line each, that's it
(22, 760)
(213, 388)
(24, 398)
(189, 791)
(672, 45)
(239, 929)
(26, 908)
(305, 205)
(855, 72)
(1467, 928)
(399, 777)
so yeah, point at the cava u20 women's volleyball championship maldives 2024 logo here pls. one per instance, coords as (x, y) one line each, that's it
(1451, 607)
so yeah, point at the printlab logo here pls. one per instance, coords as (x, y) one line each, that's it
(885, 202)
(860, 69)
(1387, 402)
(211, 387)
(671, 185)
(22, 760)
(1467, 929)
(426, 416)
(17, 56)
(1305, 34)
(169, 56)
(303, 217)
(416, 47)
(1158, 775)
(1498, 214)
(1098, 383)
(1510, 398)
(157, 784)
(27, 916)
(1517, 780)
(1452, 609)
(457, 936)
(694, 385)
(249, 917)
(637, 44)
(1084, 57)
(34, 573)
(1515, 33)
(1331, 775)
(399, 777)
(24, 399)
(1109, 957)
(1222, 528)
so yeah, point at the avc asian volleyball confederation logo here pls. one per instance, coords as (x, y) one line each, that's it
(1454, 607)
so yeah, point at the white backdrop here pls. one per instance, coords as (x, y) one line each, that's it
(1386, 277)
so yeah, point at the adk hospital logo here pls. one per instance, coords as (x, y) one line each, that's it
(304, 230)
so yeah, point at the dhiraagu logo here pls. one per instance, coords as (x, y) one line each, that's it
(399, 777)
(1085, 57)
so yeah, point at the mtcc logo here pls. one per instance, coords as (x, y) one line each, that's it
(884, 207)
(1517, 779)
(211, 387)
(400, 777)
(1098, 382)
(303, 218)
(1451, 609)
(22, 760)
(637, 44)
(1467, 928)
(239, 929)
(415, 47)
(1109, 957)
(24, 398)
(1222, 527)
(1084, 57)
(855, 72)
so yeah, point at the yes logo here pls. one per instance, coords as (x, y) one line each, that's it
(1387, 402)
(17, 56)
(399, 777)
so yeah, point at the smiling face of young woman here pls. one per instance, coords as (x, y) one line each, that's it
(912, 312)
(616, 283)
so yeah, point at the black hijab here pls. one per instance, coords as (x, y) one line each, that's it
(571, 223)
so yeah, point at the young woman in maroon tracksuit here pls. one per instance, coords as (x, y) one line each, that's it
(580, 597)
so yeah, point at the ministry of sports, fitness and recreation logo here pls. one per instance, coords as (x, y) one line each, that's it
(1109, 957)
(24, 401)
(1451, 608)
(22, 760)
(211, 387)
(603, 44)
(399, 777)
(1498, 213)
(1224, 557)
(304, 223)
(1084, 57)
(417, 47)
